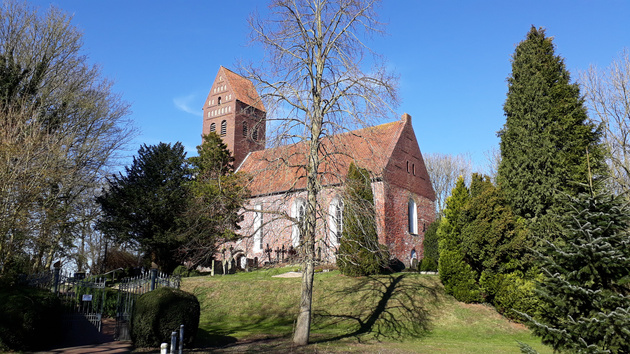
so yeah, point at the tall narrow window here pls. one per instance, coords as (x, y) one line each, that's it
(213, 127)
(223, 128)
(298, 211)
(255, 134)
(412, 215)
(245, 129)
(258, 228)
(219, 101)
(335, 224)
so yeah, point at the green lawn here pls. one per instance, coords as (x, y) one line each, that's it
(399, 313)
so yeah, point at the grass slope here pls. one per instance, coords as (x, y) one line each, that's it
(398, 313)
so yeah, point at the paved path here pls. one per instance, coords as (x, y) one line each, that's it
(82, 337)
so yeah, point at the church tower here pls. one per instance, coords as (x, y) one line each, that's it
(234, 110)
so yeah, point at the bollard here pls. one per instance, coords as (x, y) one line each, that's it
(181, 339)
(164, 348)
(173, 342)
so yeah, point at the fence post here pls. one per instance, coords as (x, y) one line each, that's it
(153, 278)
(181, 339)
(173, 342)
(56, 275)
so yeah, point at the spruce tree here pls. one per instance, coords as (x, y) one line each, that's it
(547, 132)
(458, 277)
(359, 251)
(586, 274)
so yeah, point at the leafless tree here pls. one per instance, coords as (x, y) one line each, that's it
(444, 169)
(60, 130)
(608, 97)
(316, 83)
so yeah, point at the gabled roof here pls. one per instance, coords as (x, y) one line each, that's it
(243, 88)
(282, 169)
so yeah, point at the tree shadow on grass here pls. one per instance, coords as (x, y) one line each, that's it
(382, 307)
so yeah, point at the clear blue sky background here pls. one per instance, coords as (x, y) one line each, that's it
(453, 58)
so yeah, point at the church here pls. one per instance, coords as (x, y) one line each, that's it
(403, 195)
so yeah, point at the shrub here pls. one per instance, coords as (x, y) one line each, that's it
(158, 313)
(27, 313)
(431, 253)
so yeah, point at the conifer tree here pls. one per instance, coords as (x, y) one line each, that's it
(547, 132)
(586, 274)
(359, 251)
(458, 277)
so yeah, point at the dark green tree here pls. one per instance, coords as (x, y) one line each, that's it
(216, 197)
(495, 245)
(431, 251)
(359, 252)
(547, 131)
(145, 205)
(586, 275)
(458, 277)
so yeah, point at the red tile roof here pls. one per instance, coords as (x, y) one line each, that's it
(283, 168)
(243, 88)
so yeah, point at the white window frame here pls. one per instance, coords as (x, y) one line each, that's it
(335, 220)
(412, 216)
(258, 228)
(298, 211)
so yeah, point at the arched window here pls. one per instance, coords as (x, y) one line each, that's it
(245, 129)
(335, 220)
(258, 228)
(407, 166)
(223, 128)
(298, 211)
(219, 101)
(413, 168)
(213, 127)
(255, 134)
(412, 215)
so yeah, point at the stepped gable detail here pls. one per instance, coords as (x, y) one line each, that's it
(234, 110)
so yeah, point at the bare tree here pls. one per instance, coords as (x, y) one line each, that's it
(60, 129)
(315, 82)
(608, 97)
(444, 169)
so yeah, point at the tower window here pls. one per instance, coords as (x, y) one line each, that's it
(219, 101)
(223, 128)
(213, 127)
(407, 166)
(413, 168)
(245, 129)
(255, 134)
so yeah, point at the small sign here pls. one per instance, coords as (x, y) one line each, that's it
(87, 297)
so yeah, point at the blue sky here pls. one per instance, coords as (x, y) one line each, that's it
(453, 58)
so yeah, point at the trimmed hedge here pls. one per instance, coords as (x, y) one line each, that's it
(30, 318)
(158, 313)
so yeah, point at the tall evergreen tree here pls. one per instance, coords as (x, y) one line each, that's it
(547, 133)
(359, 251)
(458, 277)
(216, 197)
(145, 204)
(586, 274)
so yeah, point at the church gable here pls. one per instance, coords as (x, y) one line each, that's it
(406, 168)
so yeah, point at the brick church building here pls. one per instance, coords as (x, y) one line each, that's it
(403, 195)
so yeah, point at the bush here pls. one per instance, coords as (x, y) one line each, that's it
(183, 272)
(158, 313)
(516, 294)
(26, 314)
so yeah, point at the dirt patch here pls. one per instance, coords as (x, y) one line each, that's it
(288, 275)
